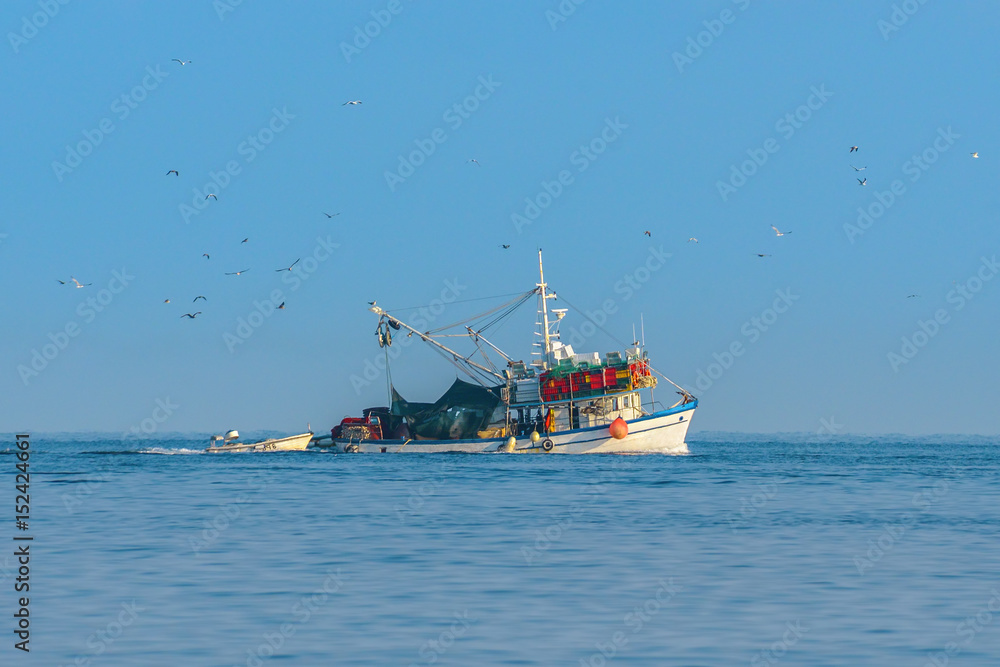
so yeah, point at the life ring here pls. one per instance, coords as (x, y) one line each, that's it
(547, 444)
(352, 448)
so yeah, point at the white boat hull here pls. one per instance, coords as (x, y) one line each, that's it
(659, 433)
(294, 443)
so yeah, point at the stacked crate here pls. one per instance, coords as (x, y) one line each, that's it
(562, 384)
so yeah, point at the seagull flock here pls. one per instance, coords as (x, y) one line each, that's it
(176, 173)
(778, 233)
(506, 246)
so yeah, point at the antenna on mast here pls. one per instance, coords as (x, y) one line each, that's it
(642, 324)
(546, 343)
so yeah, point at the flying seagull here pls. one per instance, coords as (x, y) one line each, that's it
(692, 239)
(777, 232)
(77, 284)
(236, 273)
(281, 306)
(212, 196)
(289, 268)
(912, 296)
(863, 182)
(976, 154)
(371, 303)
(858, 168)
(330, 216)
(166, 301)
(760, 255)
(192, 316)
(199, 297)
(505, 246)
(245, 240)
(351, 102)
(205, 255)
(172, 171)
(182, 62)
(853, 148)
(473, 160)
(648, 234)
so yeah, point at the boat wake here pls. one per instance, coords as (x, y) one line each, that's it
(170, 452)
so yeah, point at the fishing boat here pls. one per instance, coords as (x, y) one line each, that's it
(229, 443)
(561, 402)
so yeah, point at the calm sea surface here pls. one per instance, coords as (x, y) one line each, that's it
(745, 552)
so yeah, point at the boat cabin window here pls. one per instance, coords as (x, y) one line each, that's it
(614, 403)
(625, 401)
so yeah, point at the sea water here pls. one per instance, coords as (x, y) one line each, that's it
(753, 551)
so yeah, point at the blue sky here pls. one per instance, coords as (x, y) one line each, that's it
(645, 127)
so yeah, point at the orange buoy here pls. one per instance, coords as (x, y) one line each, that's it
(618, 428)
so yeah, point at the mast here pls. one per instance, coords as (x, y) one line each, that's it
(546, 345)
(546, 342)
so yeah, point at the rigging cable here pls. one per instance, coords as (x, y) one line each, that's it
(624, 345)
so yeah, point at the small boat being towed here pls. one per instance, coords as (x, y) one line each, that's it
(293, 443)
(562, 402)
